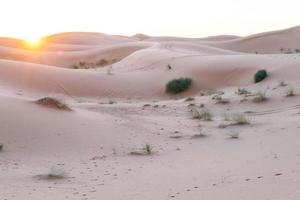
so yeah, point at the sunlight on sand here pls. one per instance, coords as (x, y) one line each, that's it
(33, 43)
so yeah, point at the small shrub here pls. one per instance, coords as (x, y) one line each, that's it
(189, 99)
(1, 146)
(219, 100)
(211, 92)
(56, 173)
(282, 84)
(260, 75)
(147, 149)
(234, 135)
(201, 114)
(195, 112)
(178, 85)
(290, 93)
(259, 97)
(240, 119)
(201, 134)
(242, 91)
(102, 62)
(205, 115)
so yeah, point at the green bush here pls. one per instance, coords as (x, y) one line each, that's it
(178, 85)
(260, 75)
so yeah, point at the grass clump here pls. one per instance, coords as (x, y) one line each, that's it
(205, 115)
(53, 103)
(234, 135)
(56, 173)
(259, 97)
(260, 75)
(240, 119)
(219, 99)
(146, 150)
(211, 92)
(243, 91)
(290, 93)
(201, 114)
(201, 134)
(178, 85)
(91, 65)
(282, 84)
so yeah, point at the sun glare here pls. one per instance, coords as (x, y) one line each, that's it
(33, 42)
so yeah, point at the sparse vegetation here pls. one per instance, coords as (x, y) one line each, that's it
(189, 99)
(290, 93)
(56, 173)
(201, 114)
(259, 97)
(240, 119)
(219, 99)
(109, 71)
(178, 85)
(53, 103)
(260, 75)
(146, 150)
(92, 65)
(205, 115)
(201, 134)
(234, 135)
(211, 92)
(243, 91)
(282, 84)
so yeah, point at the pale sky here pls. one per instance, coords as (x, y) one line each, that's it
(189, 18)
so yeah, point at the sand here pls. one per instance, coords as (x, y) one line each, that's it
(119, 107)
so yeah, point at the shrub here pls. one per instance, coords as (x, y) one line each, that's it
(1, 146)
(259, 97)
(178, 85)
(243, 91)
(53, 174)
(201, 134)
(147, 149)
(200, 114)
(219, 100)
(56, 173)
(205, 115)
(102, 62)
(234, 135)
(290, 93)
(240, 119)
(260, 75)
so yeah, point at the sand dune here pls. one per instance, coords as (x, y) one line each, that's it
(119, 107)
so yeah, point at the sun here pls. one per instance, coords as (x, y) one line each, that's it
(33, 42)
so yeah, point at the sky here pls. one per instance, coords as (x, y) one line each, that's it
(28, 19)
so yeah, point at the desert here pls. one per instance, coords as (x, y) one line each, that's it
(88, 115)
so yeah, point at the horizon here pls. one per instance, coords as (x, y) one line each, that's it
(169, 18)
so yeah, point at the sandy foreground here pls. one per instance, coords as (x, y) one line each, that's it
(121, 106)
